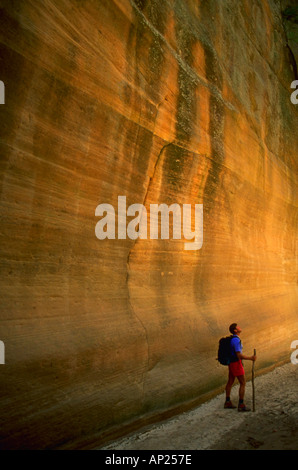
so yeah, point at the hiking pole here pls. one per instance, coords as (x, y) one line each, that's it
(253, 383)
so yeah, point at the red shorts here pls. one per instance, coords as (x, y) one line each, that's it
(236, 368)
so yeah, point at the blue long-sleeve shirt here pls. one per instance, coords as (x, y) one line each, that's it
(236, 346)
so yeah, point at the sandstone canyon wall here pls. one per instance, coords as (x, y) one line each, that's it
(175, 101)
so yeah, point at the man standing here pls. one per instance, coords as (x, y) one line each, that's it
(236, 369)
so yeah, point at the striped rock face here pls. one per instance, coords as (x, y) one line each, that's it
(160, 102)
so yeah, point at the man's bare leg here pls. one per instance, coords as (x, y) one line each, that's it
(242, 382)
(231, 379)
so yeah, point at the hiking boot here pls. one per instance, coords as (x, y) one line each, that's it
(242, 407)
(229, 404)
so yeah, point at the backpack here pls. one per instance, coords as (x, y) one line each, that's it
(224, 350)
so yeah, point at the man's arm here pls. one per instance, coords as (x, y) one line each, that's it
(248, 358)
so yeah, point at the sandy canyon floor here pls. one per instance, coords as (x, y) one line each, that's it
(273, 426)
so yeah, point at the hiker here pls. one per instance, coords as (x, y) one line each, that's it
(236, 369)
